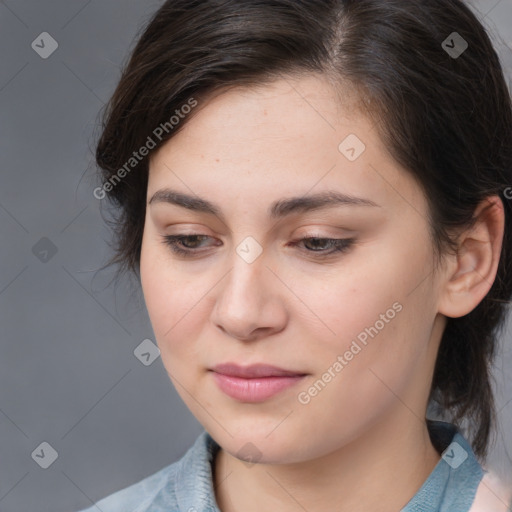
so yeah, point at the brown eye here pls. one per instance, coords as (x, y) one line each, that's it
(184, 245)
(325, 246)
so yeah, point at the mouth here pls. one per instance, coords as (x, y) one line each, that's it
(255, 383)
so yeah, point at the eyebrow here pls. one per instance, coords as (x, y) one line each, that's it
(278, 209)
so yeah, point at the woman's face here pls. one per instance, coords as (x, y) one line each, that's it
(358, 328)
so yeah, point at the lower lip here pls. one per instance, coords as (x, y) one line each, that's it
(254, 390)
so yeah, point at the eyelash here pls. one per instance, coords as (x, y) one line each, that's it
(338, 245)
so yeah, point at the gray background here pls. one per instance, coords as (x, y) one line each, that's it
(68, 375)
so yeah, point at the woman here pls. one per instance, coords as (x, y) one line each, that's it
(315, 197)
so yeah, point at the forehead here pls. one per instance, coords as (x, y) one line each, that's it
(305, 112)
(288, 135)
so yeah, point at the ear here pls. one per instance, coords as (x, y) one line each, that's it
(469, 274)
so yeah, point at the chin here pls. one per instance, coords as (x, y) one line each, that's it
(254, 444)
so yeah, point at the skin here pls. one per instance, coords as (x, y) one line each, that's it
(361, 443)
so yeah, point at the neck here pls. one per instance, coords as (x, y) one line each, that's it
(380, 470)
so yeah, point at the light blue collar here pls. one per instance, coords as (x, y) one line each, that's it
(450, 487)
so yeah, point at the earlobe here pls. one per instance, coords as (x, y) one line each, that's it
(473, 269)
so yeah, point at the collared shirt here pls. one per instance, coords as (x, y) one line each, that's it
(187, 485)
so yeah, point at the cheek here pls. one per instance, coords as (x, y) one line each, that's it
(173, 301)
(350, 298)
(371, 311)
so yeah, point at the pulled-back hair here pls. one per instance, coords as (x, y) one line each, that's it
(446, 118)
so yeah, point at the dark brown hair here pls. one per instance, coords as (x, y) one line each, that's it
(446, 118)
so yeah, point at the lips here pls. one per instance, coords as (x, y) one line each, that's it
(254, 371)
(255, 383)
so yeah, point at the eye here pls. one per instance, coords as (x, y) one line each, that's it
(322, 247)
(184, 245)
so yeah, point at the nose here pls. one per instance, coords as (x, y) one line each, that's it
(250, 302)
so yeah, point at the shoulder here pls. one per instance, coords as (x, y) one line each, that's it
(492, 495)
(170, 488)
(138, 496)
